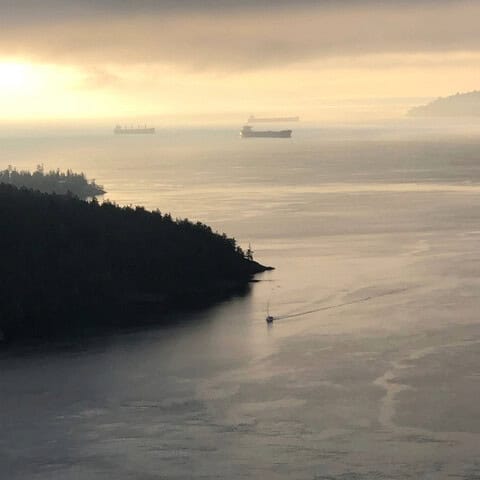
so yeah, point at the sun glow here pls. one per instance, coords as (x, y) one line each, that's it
(29, 90)
(13, 76)
(335, 89)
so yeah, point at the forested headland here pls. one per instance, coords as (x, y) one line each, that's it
(69, 265)
(53, 181)
(459, 105)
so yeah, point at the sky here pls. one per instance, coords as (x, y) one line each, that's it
(184, 59)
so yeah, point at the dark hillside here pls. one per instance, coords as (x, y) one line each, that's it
(67, 263)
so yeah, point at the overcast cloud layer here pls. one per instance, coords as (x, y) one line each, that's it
(34, 9)
(227, 34)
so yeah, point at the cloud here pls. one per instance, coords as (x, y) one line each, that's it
(55, 10)
(99, 78)
(231, 35)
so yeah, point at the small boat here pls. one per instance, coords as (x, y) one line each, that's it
(269, 318)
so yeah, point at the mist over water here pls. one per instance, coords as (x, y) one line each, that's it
(375, 231)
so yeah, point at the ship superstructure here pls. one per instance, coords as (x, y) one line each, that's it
(254, 119)
(119, 130)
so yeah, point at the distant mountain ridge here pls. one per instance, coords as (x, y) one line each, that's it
(459, 105)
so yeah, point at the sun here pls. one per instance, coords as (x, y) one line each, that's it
(13, 76)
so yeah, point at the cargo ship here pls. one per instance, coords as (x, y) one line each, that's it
(118, 130)
(248, 132)
(253, 119)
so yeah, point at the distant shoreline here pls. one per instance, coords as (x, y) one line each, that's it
(53, 181)
(459, 105)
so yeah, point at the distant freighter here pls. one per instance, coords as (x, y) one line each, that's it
(248, 132)
(252, 119)
(118, 130)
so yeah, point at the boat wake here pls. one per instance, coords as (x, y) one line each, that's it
(339, 305)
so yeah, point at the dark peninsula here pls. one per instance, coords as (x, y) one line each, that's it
(53, 181)
(459, 105)
(69, 265)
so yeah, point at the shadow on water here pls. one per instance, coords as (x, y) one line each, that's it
(149, 325)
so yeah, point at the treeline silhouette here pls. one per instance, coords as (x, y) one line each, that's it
(68, 264)
(53, 181)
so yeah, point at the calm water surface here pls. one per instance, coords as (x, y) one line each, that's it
(376, 229)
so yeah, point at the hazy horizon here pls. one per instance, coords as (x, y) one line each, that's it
(325, 61)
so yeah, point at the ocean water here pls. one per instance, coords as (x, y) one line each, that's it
(375, 231)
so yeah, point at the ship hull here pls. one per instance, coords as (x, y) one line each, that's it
(267, 134)
(134, 131)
